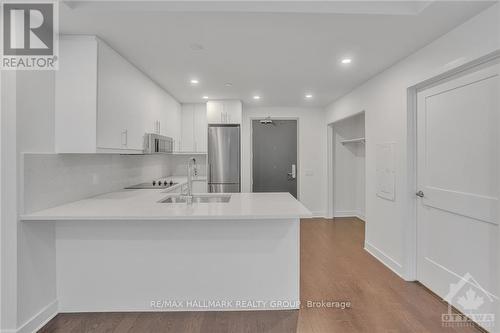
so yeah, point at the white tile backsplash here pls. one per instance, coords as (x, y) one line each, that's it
(54, 179)
(178, 164)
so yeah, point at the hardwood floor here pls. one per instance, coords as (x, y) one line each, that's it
(334, 267)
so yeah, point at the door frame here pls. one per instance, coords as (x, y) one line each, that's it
(409, 201)
(330, 207)
(297, 145)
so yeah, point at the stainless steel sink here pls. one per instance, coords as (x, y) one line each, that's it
(199, 198)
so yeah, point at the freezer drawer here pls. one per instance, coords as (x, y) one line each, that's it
(224, 188)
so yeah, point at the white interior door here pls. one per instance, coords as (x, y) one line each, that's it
(457, 222)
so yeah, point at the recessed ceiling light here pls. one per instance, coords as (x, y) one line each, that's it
(309, 96)
(228, 84)
(256, 97)
(346, 61)
(194, 81)
(205, 97)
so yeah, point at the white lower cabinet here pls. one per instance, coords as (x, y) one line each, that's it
(104, 103)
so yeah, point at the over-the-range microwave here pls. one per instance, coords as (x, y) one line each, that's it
(157, 144)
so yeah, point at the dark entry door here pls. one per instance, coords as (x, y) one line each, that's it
(274, 146)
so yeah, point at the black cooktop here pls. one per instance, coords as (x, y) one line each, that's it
(153, 185)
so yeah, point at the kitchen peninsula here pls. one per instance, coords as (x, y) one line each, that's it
(130, 251)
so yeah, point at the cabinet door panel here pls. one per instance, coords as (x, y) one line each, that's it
(119, 102)
(187, 134)
(128, 101)
(76, 96)
(200, 128)
(233, 110)
(215, 110)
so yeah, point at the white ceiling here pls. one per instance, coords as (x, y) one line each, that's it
(278, 50)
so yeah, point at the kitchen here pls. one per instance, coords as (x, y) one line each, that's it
(170, 167)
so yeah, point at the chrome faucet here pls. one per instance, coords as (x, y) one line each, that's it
(191, 169)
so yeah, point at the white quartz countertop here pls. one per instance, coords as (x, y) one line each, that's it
(143, 205)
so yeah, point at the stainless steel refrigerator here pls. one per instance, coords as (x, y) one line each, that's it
(223, 158)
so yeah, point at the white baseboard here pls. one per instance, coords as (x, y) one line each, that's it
(345, 213)
(350, 213)
(318, 214)
(361, 216)
(40, 319)
(392, 264)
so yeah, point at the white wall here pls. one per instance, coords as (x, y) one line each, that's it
(312, 152)
(384, 99)
(349, 168)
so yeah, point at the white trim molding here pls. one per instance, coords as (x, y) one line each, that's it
(360, 216)
(40, 319)
(385, 259)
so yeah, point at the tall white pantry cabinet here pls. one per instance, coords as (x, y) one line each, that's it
(104, 103)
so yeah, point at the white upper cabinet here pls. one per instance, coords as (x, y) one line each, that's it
(187, 131)
(194, 128)
(224, 112)
(76, 96)
(104, 103)
(232, 111)
(215, 112)
(200, 128)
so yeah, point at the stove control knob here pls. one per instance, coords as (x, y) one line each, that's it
(171, 183)
(154, 182)
(165, 183)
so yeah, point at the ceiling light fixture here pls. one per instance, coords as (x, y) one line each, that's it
(205, 97)
(228, 84)
(256, 97)
(346, 61)
(309, 96)
(194, 81)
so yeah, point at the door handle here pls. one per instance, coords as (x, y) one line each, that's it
(125, 137)
(420, 194)
(292, 175)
